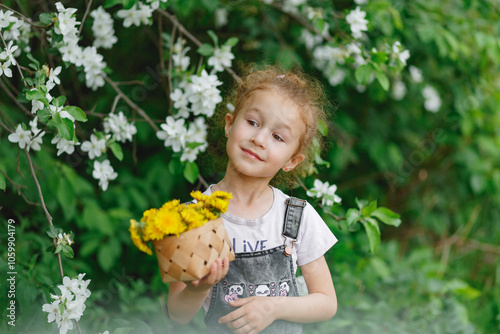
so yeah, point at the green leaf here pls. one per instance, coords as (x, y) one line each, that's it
(387, 216)
(123, 330)
(68, 251)
(127, 4)
(43, 115)
(319, 24)
(117, 150)
(76, 112)
(175, 167)
(372, 232)
(382, 80)
(361, 203)
(367, 210)
(46, 19)
(191, 172)
(108, 254)
(35, 95)
(2, 182)
(21, 97)
(89, 247)
(352, 217)
(96, 219)
(232, 42)
(322, 127)
(64, 126)
(53, 232)
(111, 3)
(363, 74)
(214, 37)
(66, 198)
(58, 249)
(59, 101)
(205, 50)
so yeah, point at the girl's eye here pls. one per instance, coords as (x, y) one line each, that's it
(277, 137)
(252, 122)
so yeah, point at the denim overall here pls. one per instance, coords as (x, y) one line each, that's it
(264, 273)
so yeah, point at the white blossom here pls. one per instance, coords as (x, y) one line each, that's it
(180, 100)
(361, 2)
(53, 73)
(221, 17)
(310, 39)
(432, 100)
(20, 136)
(71, 52)
(173, 133)
(64, 145)
(4, 69)
(8, 53)
(398, 54)
(104, 173)
(196, 134)
(119, 127)
(63, 113)
(6, 18)
(398, 90)
(337, 77)
(357, 21)
(416, 74)
(137, 15)
(94, 147)
(54, 313)
(325, 192)
(155, 4)
(291, 6)
(179, 57)
(103, 29)
(221, 58)
(203, 94)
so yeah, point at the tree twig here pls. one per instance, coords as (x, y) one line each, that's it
(131, 104)
(45, 210)
(84, 17)
(184, 31)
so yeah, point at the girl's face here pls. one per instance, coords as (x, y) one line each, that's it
(265, 135)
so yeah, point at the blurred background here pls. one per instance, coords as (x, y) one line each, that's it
(414, 125)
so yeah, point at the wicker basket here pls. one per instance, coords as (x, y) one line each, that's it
(189, 256)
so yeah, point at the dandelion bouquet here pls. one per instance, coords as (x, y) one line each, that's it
(187, 238)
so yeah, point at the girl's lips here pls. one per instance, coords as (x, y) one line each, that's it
(252, 154)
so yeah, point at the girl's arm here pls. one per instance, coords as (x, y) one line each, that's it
(256, 313)
(185, 300)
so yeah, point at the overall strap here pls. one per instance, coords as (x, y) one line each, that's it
(293, 215)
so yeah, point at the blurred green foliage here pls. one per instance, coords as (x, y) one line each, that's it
(439, 272)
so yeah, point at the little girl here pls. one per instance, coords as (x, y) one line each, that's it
(271, 130)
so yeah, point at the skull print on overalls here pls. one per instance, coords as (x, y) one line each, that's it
(264, 273)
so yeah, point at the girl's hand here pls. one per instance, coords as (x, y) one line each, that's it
(218, 270)
(252, 316)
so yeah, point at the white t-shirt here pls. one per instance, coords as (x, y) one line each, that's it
(252, 235)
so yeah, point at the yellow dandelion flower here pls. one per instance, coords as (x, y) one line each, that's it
(169, 222)
(222, 195)
(152, 232)
(148, 215)
(208, 214)
(171, 205)
(198, 195)
(193, 218)
(136, 239)
(218, 203)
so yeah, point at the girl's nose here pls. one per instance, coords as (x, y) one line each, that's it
(258, 138)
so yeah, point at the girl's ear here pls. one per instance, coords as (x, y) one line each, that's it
(293, 162)
(229, 118)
